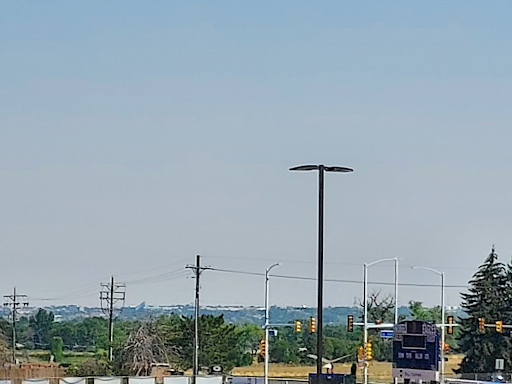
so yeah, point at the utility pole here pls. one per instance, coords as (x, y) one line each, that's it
(110, 295)
(14, 301)
(197, 270)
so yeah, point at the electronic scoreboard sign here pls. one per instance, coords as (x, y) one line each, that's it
(416, 351)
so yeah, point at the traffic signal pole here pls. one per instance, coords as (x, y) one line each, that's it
(498, 324)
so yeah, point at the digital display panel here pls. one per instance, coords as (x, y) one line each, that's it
(415, 327)
(416, 345)
(410, 341)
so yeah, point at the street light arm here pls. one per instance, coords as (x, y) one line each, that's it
(338, 169)
(429, 269)
(304, 168)
(272, 266)
(379, 261)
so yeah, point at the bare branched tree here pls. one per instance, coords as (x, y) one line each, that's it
(380, 307)
(144, 348)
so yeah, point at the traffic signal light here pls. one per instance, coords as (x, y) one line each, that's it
(312, 325)
(450, 328)
(368, 351)
(263, 348)
(481, 324)
(499, 326)
(446, 349)
(360, 353)
(297, 326)
(350, 323)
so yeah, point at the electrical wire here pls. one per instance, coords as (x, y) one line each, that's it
(153, 269)
(335, 280)
(75, 293)
(92, 289)
(160, 277)
(401, 265)
(163, 279)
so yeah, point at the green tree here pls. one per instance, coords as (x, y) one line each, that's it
(93, 333)
(249, 337)
(419, 312)
(56, 349)
(343, 343)
(68, 331)
(41, 327)
(487, 298)
(284, 350)
(218, 340)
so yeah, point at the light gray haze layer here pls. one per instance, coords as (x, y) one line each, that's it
(137, 135)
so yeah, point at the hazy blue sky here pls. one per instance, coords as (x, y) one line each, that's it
(135, 135)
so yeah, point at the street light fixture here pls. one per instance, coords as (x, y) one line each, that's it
(267, 313)
(321, 169)
(441, 274)
(365, 303)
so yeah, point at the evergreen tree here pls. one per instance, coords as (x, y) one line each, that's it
(488, 299)
(507, 311)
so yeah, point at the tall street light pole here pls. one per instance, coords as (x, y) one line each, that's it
(441, 274)
(365, 305)
(321, 169)
(267, 315)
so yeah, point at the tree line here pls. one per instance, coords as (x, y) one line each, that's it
(169, 339)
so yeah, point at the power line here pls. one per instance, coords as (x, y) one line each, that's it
(79, 293)
(335, 280)
(88, 292)
(89, 289)
(159, 268)
(239, 272)
(402, 265)
(78, 288)
(158, 278)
